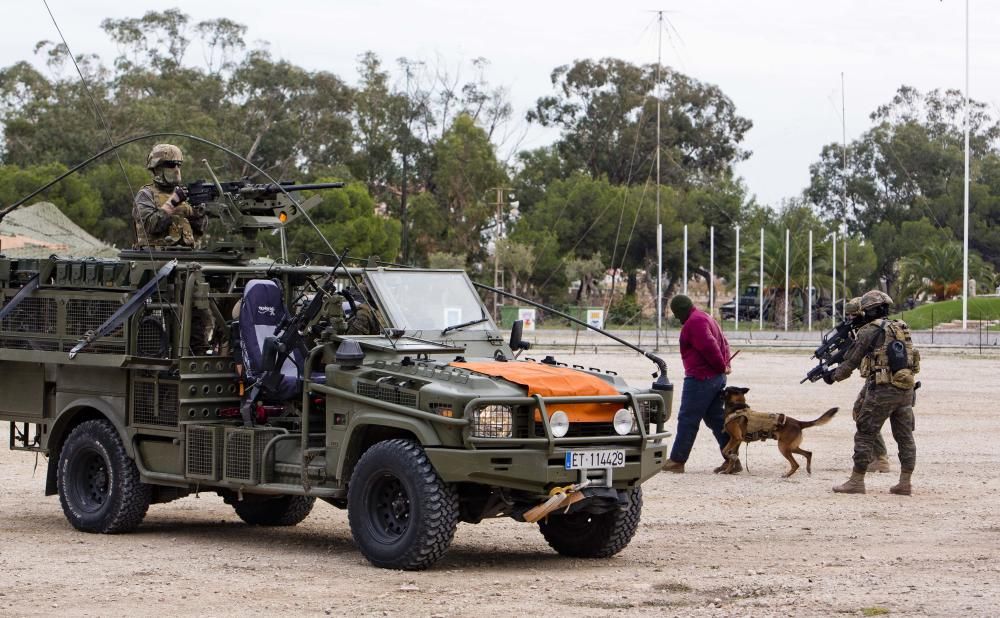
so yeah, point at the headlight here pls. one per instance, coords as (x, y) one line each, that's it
(624, 422)
(559, 423)
(496, 421)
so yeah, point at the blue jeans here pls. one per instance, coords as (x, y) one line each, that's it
(701, 400)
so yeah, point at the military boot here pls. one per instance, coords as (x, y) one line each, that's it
(879, 464)
(854, 485)
(729, 467)
(902, 488)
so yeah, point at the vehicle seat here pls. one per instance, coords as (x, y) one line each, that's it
(262, 311)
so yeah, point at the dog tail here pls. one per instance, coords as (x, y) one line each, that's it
(822, 420)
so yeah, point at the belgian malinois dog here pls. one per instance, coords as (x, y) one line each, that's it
(785, 429)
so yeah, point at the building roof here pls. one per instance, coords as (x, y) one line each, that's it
(39, 230)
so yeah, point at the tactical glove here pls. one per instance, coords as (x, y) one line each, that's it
(828, 377)
(179, 196)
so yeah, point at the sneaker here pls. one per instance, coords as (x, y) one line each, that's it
(673, 466)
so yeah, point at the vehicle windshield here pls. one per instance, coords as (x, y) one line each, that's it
(429, 300)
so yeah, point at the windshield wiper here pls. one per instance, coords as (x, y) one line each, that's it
(447, 329)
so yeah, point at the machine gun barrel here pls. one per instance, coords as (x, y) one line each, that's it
(202, 192)
(273, 189)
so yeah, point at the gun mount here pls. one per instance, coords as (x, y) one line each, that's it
(238, 210)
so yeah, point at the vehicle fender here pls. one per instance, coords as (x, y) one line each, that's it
(374, 426)
(77, 411)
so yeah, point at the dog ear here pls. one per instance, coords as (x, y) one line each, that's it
(743, 390)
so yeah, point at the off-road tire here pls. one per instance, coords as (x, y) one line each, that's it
(585, 535)
(402, 515)
(99, 486)
(282, 511)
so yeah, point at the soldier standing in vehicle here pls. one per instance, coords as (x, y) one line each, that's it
(852, 311)
(163, 217)
(888, 361)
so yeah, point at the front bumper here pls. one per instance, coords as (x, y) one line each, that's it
(536, 464)
(536, 470)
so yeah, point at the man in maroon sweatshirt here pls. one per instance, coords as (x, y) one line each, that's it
(705, 354)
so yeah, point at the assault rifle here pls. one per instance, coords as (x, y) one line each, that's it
(833, 348)
(204, 191)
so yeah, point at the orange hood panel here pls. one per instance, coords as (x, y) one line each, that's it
(553, 381)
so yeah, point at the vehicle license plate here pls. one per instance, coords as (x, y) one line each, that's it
(578, 460)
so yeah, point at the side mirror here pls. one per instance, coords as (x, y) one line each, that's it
(516, 333)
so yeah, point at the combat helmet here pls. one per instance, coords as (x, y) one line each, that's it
(874, 299)
(161, 153)
(852, 307)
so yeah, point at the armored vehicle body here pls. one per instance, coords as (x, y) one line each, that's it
(386, 391)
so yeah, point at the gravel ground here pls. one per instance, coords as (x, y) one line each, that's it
(746, 545)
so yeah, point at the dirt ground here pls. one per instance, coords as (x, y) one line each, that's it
(747, 545)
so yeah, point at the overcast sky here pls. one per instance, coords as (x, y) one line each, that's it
(779, 60)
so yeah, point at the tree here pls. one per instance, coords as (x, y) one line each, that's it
(347, 218)
(464, 168)
(909, 167)
(606, 110)
(516, 259)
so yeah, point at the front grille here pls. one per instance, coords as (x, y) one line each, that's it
(580, 430)
(390, 394)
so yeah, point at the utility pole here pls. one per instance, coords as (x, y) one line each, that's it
(737, 314)
(659, 226)
(965, 225)
(499, 204)
(843, 190)
(403, 211)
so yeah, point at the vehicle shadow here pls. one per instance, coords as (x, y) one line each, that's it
(326, 539)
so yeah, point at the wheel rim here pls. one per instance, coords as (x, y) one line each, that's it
(388, 508)
(90, 480)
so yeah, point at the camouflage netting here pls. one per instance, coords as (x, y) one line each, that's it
(40, 230)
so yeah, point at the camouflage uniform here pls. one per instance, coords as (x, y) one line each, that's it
(881, 400)
(363, 322)
(155, 228)
(852, 310)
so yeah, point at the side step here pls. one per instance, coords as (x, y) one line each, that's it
(27, 437)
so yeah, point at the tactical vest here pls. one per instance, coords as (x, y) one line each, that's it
(883, 365)
(760, 425)
(179, 232)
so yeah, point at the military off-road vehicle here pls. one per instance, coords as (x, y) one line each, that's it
(167, 372)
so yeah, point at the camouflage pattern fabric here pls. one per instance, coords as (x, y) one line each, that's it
(885, 401)
(155, 228)
(363, 322)
(881, 402)
(879, 449)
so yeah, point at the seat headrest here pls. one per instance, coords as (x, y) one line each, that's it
(263, 303)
